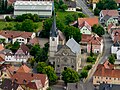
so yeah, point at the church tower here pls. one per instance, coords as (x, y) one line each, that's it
(53, 39)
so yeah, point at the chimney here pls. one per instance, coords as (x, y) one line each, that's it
(32, 74)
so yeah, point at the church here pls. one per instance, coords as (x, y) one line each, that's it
(63, 54)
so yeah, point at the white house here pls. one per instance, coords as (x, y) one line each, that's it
(108, 16)
(71, 5)
(85, 24)
(85, 28)
(41, 8)
(19, 36)
(22, 55)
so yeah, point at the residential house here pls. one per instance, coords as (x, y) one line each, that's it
(1, 60)
(93, 41)
(63, 55)
(73, 86)
(115, 49)
(31, 81)
(106, 73)
(109, 87)
(85, 24)
(71, 5)
(108, 16)
(8, 71)
(7, 84)
(22, 55)
(41, 8)
(115, 35)
(19, 36)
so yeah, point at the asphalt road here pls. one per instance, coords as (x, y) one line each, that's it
(107, 48)
(85, 9)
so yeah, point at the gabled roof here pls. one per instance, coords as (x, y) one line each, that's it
(1, 46)
(24, 78)
(1, 59)
(91, 21)
(107, 70)
(86, 25)
(94, 39)
(24, 48)
(73, 45)
(105, 18)
(24, 68)
(15, 34)
(71, 4)
(61, 36)
(113, 13)
(116, 34)
(34, 41)
(7, 84)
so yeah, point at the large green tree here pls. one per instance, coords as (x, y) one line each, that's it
(74, 32)
(98, 29)
(70, 76)
(40, 67)
(50, 73)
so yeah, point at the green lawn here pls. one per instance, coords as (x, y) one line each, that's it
(61, 15)
(3, 25)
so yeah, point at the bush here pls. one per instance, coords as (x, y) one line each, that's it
(88, 67)
(84, 74)
(91, 59)
(8, 19)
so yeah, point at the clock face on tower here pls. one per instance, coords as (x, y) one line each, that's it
(65, 53)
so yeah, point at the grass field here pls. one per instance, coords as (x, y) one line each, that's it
(3, 24)
(61, 15)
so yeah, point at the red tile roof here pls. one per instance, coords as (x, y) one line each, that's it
(94, 39)
(14, 34)
(25, 78)
(85, 24)
(90, 21)
(24, 48)
(110, 13)
(1, 47)
(34, 41)
(116, 34)
(1, 59)
(107, 70)
(24, 69)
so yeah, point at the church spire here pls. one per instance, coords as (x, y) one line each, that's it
(53, 31)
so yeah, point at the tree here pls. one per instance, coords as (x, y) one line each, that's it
(81, 15)
(91, 52)
(98, 29)
(47, 24)
(84, 74)
(106, 4)
(10, 9)
(69, 18)
(70, 31)
(34, 50)
(27, 25)
(13, 47)
(40, 66)
(111, 59)
(91, 59)
(36, 18)
(96, 11)
(64, 7)
(18, 26)
(32, 61)
(50, 73)
(70, 76)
